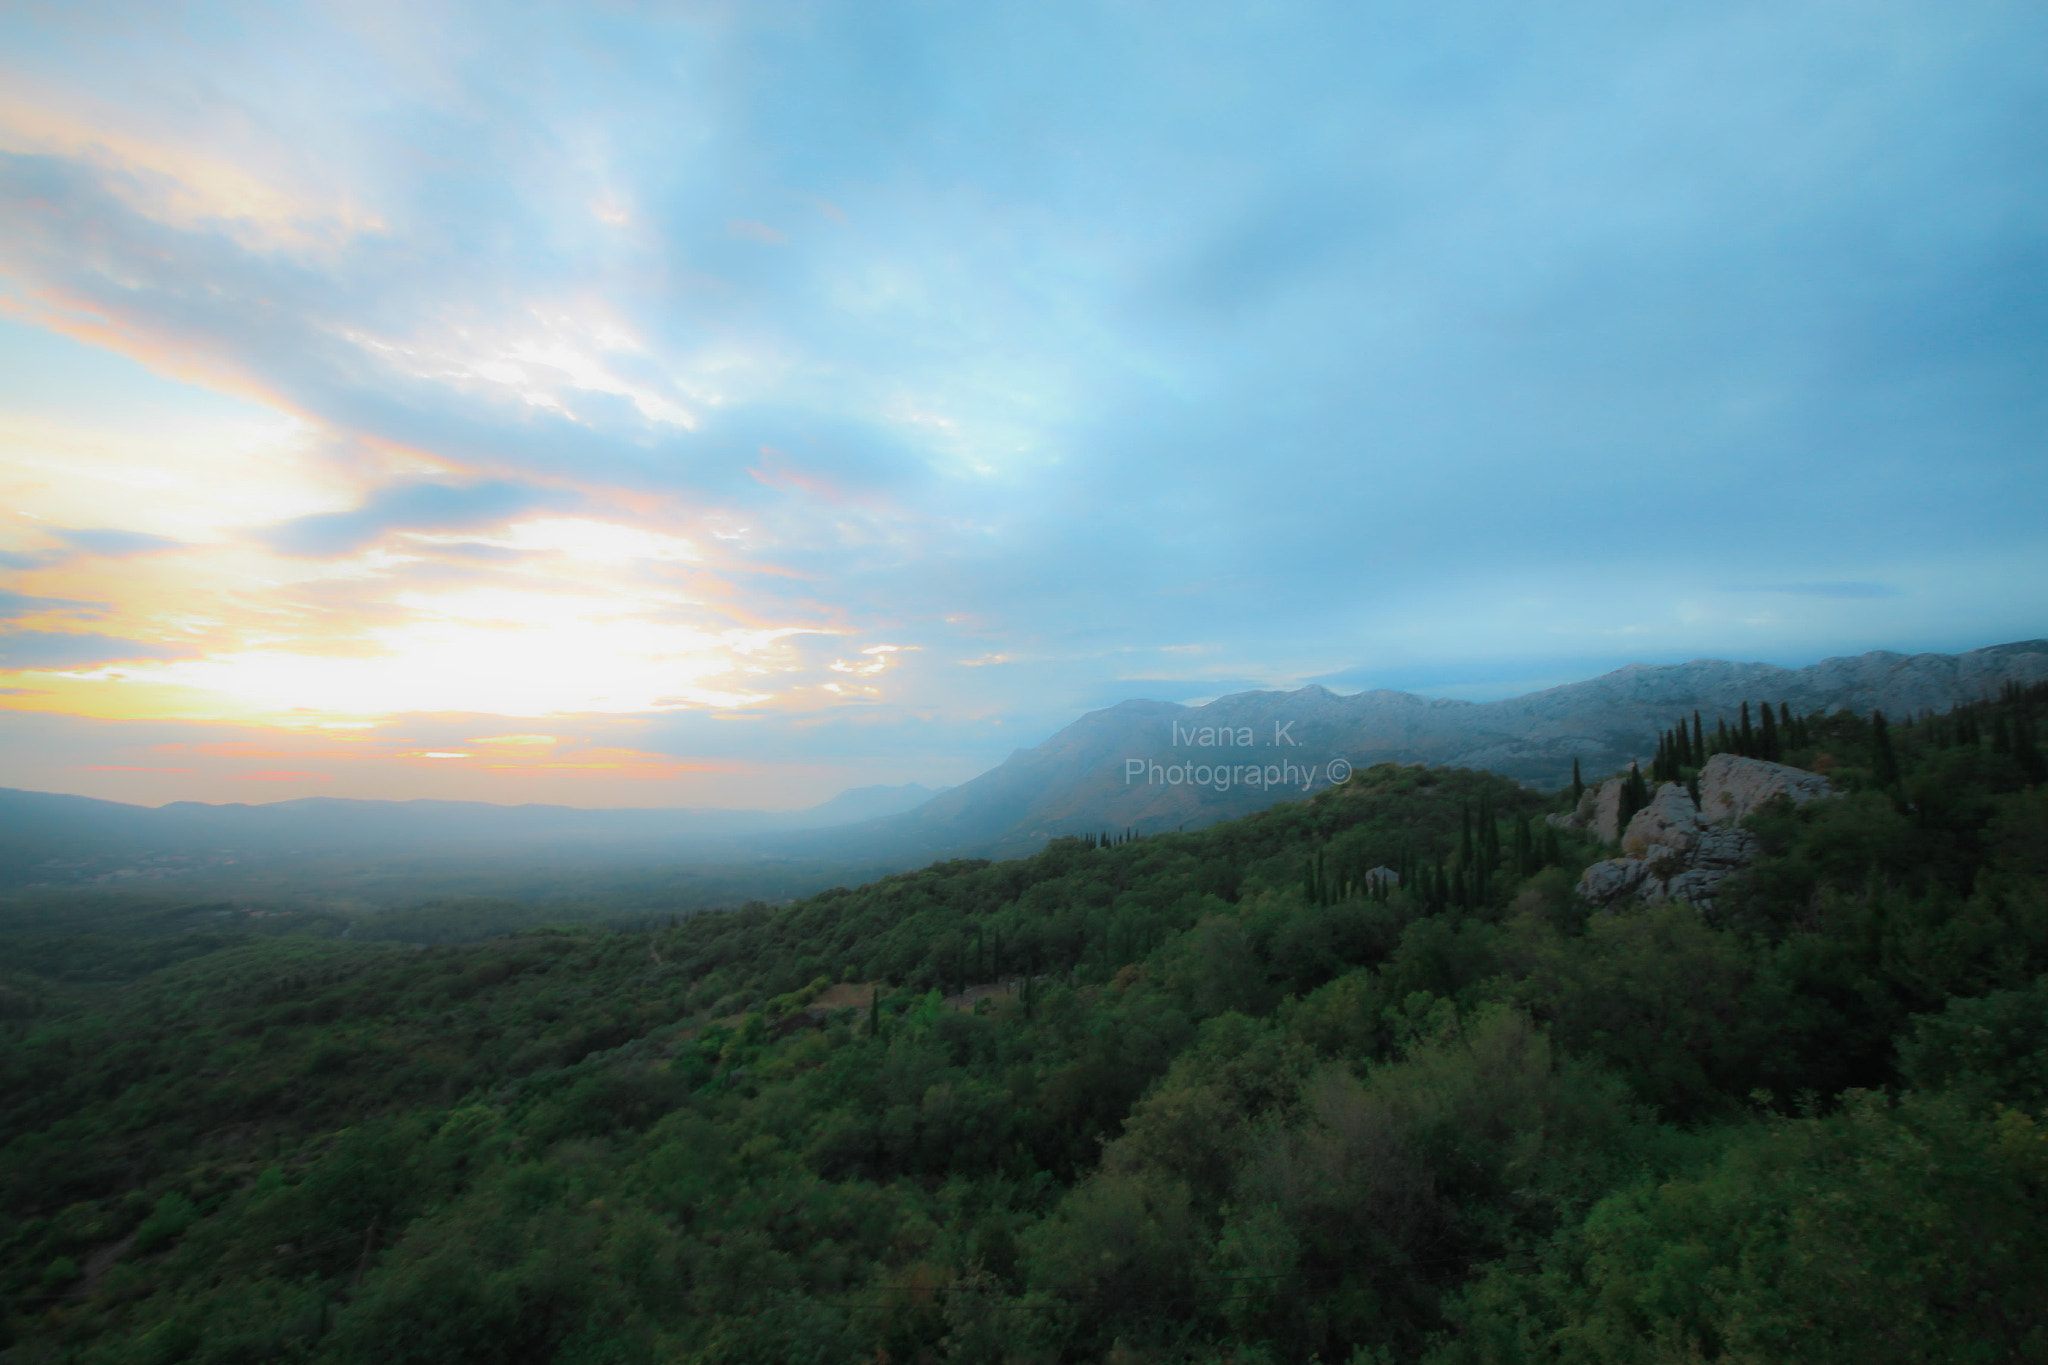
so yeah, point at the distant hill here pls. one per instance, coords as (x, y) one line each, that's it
(1099, 773)
(45, 837)
(1143, 765)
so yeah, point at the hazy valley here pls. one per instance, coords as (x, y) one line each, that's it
(1429, 1064)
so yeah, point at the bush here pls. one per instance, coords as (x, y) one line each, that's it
(169, 1219)
(1885, 1234)
(1991, 1050)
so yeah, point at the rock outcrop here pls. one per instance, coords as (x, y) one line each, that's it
(1732, 787)
(1678, 849)
(1099, 772)
(1599, 810)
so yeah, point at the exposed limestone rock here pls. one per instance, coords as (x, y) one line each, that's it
(1605, 883)
(1673, 850)
(1580, 815)
(1599, 810)
(1607, 810)
(1732, 787)
(1671, 821)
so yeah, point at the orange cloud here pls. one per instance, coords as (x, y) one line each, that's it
(776, 471)
(633, 763)
(280, 777)
(233, 749)
(172, 179)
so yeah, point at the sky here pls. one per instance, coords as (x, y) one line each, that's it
(723, 404)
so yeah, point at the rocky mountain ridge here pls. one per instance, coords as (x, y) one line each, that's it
(1153, 765)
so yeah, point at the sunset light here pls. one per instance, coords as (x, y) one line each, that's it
(725, 373)
(1021, 682)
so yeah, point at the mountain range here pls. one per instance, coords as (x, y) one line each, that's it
(49, 837)
(1144, 766)
(1138, 765)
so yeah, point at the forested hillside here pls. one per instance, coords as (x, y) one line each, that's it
(1219, 1096)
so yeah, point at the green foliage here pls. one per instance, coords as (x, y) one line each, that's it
(1195, 1097)
(1989, 1050)
(1887, 1233)
(171, 1216)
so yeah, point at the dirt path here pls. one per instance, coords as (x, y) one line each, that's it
(98, 1264)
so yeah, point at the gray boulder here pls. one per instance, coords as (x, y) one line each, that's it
(1675, 850)
(1599, 810)
(1731, 787)
(1671, 822)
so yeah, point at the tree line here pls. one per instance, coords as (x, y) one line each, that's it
(1228, 1095)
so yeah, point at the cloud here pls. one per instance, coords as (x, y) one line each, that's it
(471, 550)
(409, 507)
(14, 605)
(112, 543)
(99, 542)
(47, 650)
(1407, 341)
(759, 232)
(1843, 590)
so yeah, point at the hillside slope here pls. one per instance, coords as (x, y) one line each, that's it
(1220, 1096)
(1099, 773)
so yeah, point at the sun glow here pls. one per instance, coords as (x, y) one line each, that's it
(542, 663)
(585, 539)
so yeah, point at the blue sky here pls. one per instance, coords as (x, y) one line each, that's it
(753, 400)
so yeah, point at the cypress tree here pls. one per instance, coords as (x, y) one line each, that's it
(1744, 737)
(1578, 784)
(875, 1013)
(1884, 763)
(1767, 741)
(1699, 742)
(2025, 752)
(1635, 794)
